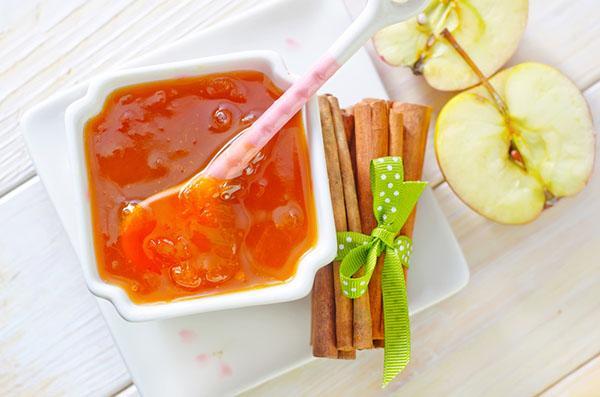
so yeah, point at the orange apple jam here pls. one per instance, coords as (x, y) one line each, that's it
(154, 137)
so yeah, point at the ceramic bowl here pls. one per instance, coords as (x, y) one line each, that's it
(79, 112)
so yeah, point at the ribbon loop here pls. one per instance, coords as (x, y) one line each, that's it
(393, 201)
(354, 287)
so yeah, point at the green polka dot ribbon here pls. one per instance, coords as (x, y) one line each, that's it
(393, 201)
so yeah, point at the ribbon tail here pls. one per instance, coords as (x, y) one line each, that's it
(396, 320)
(410, 192)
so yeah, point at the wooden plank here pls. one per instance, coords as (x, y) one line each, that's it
(26, 23)
(559, 32)
(53, 339)
(528, 317)
(585, 381)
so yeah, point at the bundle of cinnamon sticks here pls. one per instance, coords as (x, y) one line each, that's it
(352, 138)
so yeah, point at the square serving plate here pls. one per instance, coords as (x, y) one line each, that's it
(210, 354)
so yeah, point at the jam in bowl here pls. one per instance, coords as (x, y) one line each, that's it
(148, 131)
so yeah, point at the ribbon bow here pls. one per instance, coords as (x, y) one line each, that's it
(393, 201)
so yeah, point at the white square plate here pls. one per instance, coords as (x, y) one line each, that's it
(226, 352)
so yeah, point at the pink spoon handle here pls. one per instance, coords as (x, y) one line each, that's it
(230, 162)
(240, 152)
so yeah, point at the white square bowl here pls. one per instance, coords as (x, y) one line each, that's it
(324, 250)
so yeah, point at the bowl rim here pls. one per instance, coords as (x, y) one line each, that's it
(321, 253)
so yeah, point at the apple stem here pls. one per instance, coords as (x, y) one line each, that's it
(514, 153)
(484, 80)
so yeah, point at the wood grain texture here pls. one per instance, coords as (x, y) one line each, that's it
(526, 323)
(583, 382)
(53, 339)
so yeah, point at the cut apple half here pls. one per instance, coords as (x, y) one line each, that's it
(489, 30)
(507, 163)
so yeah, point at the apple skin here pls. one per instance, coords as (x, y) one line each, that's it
(488, 30)
(480, 171)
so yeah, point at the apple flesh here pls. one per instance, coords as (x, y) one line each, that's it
(506, 165)
(489, 30)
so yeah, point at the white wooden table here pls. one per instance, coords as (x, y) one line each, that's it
(528, 322)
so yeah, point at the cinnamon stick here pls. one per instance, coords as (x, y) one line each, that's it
(323, 331)
(323, 314)
(343, 131)
(333, 129)
(362, 327)
(348, 118)
(380, 111)
(348, 115)
(416, 119)
(396, 132)
(397, 138)
(347, 354)
(371, 141)
(395, 141)
(409, 126)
